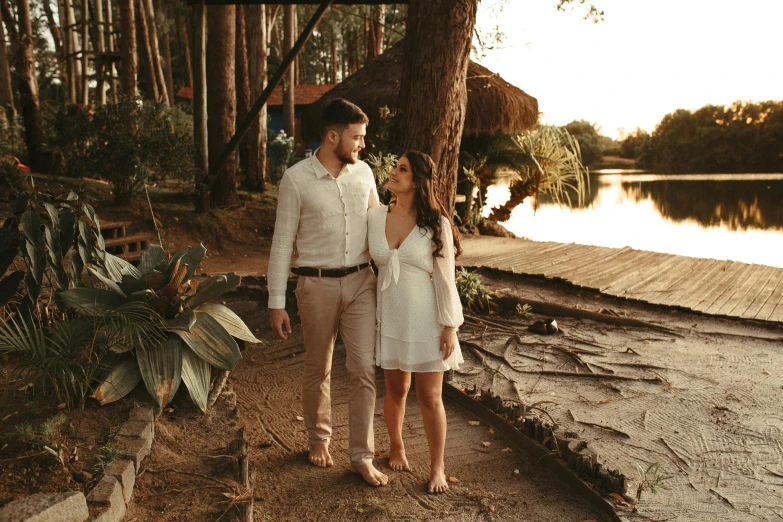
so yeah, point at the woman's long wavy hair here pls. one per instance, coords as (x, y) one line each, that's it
(429, 208)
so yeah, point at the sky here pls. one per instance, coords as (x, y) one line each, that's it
(646, 59)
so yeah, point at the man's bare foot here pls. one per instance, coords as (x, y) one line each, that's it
(438, 482)
(398, 461)
(319, 456)
(371, 475)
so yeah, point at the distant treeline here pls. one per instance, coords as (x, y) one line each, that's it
(743, 137)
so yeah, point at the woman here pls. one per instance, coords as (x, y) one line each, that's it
(413, 243)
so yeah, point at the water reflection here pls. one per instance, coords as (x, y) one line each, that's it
(738, 217)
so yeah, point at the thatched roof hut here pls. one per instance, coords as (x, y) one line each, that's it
(494, 105)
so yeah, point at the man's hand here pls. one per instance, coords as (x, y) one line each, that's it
(280, 323)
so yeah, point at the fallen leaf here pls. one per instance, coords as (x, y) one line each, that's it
(453, 480)
(513, 492)
(491, 431)
(506, 450)
(605, 401)
(618, 499)
(299, 418)
(9, 416)
(61, 406)
(486, 444)
(765, 372)
(23, 388)
(516, 472)
(474, 423)
(546, 440)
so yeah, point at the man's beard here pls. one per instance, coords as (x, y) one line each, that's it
(344, 155)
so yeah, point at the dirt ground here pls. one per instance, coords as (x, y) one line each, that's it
(708, 411)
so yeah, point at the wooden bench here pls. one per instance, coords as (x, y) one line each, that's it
(114, 229)
(129, 248)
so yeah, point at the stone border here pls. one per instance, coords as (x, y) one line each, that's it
(562, 452)
(109, 499)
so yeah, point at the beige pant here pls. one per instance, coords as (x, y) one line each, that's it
(346, 304)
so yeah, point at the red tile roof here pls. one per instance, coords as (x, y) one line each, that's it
(304, 94)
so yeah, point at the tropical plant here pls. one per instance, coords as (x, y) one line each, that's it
(546, 160)
(48, 239)
(381, 166)
(472, 292)
(197, 334)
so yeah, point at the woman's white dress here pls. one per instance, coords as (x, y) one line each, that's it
(417, 295)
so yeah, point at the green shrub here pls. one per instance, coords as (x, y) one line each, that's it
(281, 150)
(472, 292)
(127, 144)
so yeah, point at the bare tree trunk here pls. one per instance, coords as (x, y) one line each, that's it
(257, 47)
(155, 52)
(378, 19)
(221, 100)
(74, 65)
(6, 88)
(108, 29)
(57, 38)
(437, 53)
(290, 77)
(188, 63)
(242, 86)
(169, 71)
(146, 51)
(85, 48)
(28, 85)
(200, 132)
(100, 60)
(334, 62)
(128, 65)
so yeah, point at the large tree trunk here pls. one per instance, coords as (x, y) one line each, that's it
(57, 38)
(437, 53)
(221, 99)
(6, 88)
(290, 77)
(128, 64)
(73, 64)
(110, 46)
(28, 85)
(257, 48)
(100, 61)
(146, 51)
(155, 53)
(242, 86)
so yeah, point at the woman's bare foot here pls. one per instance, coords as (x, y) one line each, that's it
(438, 482)
(371, 475)
(319, 456)
(398, 461)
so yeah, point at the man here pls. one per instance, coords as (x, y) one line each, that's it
(322, 205)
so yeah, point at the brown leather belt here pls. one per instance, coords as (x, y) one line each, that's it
(327, 272)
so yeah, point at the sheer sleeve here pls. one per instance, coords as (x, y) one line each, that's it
(446, 296)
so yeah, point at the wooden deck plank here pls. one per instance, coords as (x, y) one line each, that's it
(650, 274)
(645, 261)
(747, 276)
(670, 281)
(707, 285)
(612, 257)
(771, 305)
(739, 303)
(764, 295)
(686, 288)
(720, 286)
(615, 270)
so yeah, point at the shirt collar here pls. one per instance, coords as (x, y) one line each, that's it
(320, 170)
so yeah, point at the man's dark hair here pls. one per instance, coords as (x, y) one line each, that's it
(340, 113)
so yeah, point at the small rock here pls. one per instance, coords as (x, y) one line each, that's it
(82, 477)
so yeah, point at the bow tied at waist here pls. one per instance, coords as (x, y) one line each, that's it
(393, 271)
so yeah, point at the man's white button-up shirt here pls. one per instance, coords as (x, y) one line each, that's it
(325, 216)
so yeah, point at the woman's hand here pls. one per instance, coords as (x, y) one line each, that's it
(448, 341)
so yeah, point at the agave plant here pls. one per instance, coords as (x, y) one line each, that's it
(197, 334)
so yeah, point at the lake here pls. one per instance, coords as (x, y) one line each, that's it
(721, 216)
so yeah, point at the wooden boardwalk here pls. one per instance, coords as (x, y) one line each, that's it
(725, 288)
